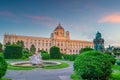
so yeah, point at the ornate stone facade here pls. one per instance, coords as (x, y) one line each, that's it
(58, 38)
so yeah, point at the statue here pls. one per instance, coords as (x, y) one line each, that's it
(36, 59)
(98, 42)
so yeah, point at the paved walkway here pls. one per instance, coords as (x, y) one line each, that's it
(41, 74)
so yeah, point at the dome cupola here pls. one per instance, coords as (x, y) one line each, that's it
(59, 27)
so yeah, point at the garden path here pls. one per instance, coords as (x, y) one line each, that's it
(41, 74)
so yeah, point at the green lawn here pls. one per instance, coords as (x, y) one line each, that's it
(1, 54)
(11, 67)
(5, 79)
(62, 65)
(115, 75)
(116, 67)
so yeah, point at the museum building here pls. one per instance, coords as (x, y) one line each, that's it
(59, 37)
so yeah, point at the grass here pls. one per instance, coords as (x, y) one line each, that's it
(1, 54)
(54, 59)
(62, 65)
(115, 75)
(5, 79)
(11, 67)
(116, 67)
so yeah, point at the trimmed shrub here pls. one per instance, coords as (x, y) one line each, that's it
(55, 52)
(26, 53)
(108, 53)
(13, 52)
(93, 65)
(42, 51)
(65, 56)
(70, 57)
(86, 49)
(45, 56)
(110, 58)
(3, 67)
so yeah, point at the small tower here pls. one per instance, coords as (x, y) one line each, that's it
(67, 35)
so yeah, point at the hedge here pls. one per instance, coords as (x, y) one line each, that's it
(13, 52)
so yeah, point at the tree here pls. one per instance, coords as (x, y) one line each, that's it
(3, 67)
(13, 52)
(1, 47)
(55, 52)
(20, 43)
(32, 49)
(8, 43)
(93, 65)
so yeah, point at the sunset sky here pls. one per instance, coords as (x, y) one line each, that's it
(83, 18)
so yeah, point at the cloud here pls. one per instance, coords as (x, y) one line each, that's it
(44, 20)
(83, 31)
(41, 18)
(6, 13)
(112, 18)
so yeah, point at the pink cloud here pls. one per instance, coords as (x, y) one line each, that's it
(6, 13)
(112, 18)
(44, 20)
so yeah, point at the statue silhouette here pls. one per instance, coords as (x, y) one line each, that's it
(98, 42)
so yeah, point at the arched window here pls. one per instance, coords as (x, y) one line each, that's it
(50, 44)
(46, 49)
(46, 44)
(58, 44)
(73, 51)
(76, 51)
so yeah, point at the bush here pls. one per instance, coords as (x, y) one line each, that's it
(42, 51)
(108, 53)
(93, 65)
(26, 53)
(65, 56)
(70, 57)
(13, 52)
(110, 58)
(86, 49)
(45, 56)
(55, 52)
(3, 67)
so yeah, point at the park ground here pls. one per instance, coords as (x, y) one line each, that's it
(41, 74)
